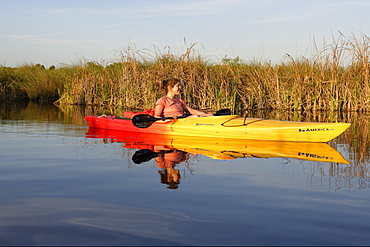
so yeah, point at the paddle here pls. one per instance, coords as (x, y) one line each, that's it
(144, 155)
(145, 120)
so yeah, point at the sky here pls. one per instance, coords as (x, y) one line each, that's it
(68, 32)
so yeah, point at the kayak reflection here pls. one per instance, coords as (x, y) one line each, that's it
(219, 148)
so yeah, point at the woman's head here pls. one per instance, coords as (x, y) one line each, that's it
(169, 82)
(171, 177)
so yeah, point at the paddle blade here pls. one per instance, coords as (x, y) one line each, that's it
(143, 155)
(143, 120)
(223, 112)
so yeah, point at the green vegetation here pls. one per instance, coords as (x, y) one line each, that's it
(335, 79)
(33, 82)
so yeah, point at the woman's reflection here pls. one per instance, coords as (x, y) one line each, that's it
(166, 160)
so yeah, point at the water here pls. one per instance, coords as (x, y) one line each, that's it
(59, 187)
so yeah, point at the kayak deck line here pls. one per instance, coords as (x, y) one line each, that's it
(244, 124)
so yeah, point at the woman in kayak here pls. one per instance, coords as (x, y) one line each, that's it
(172, 106)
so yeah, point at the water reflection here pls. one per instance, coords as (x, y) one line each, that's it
(61, 188)
(356, 139)
(222, 149)
(354, 143)
(166, 160)
(168, 152)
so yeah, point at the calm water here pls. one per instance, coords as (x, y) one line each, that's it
(59, 187)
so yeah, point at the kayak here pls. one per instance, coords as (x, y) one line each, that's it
(228, 126)
(220, 148)
(224, 126)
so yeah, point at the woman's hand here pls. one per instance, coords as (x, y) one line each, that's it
(201, 115)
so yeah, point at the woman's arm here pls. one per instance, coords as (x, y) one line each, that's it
(158, 111)
(197, 112)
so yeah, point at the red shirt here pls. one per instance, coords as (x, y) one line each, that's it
(172, 107)
(171, 159)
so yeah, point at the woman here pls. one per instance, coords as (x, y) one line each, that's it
(170, 105)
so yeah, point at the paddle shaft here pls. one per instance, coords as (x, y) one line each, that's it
(145, 120)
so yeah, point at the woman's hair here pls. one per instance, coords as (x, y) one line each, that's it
(171, 81)
(167, 179)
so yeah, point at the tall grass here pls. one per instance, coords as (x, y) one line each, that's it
(323, 82)
(33, 82)
(9, 90)
(336, 78)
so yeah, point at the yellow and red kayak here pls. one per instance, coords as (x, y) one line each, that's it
(221, 148)
(226, 126)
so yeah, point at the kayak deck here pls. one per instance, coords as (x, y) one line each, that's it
(230, 126)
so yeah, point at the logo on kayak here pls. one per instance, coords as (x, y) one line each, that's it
(204, 124)
(317, 129)
(308, 155)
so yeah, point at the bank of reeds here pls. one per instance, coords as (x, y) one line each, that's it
(335, 79)
(33, 82)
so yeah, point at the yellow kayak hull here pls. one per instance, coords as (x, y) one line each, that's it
(257, 129)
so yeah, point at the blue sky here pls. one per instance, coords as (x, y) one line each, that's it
(64, 32)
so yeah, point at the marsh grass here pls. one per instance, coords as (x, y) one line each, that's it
(33, 82)
(9, 90)
(336, 78)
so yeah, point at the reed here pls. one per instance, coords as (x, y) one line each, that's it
(33, 82)
(9, 90)
(336, 78)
